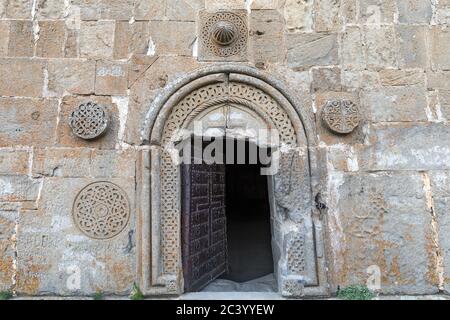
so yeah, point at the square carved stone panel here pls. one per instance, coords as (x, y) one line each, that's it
(223, 35)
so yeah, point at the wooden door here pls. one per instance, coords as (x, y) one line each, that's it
(204, 237)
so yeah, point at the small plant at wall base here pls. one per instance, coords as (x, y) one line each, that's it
(5, 295)
(355, 292)
(98, 296)
(136, 293)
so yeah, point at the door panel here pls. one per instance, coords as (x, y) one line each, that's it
(204, 239)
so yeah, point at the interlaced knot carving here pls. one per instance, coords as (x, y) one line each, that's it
(89, 120)
(101, 210)
(341, 116)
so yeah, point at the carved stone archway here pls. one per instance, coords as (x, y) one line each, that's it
(297, 239)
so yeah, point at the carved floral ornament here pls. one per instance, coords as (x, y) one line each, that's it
(341, 116)
(101, 210)
(223, 35)
(89, 120)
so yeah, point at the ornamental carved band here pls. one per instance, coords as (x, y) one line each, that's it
(223, 35)
(341, 116)
(89, 120)
(211, 94)
(101, 210)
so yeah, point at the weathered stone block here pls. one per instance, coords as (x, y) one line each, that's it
(410, 147)
(131, 39)
(380, 46)
(352, 50)
(298, 15)
(105, 9)
(7, 232)
(344, 158)
(351, 79)
(326, 79)
(386, 223)
(149, 10)
(442, 12)
(62, 162)
(350, 11)
(214, 5)
(14, 162)
(111, 78)
(184, 10)
(115, 9)
(308, 49)
(18, 188)
(51, 9)
(438, 80)
(72, 48)
(52, 38)
(137, 66)
(21, 40)
(412, 47)
(377, 12)
(51, 257)
(434, 108)
(156, 77)
(172, 37)
(440, 46)
(327, 15)
(65, 135)
(394, 77)
(414, 11)
(18, 9)
(97, 39)
(83, 162)
(267, 36)
(27, 122)
(396, 104)
(265, 4)
(2, 9)
(70, 76)
(444, 103)
(112, 163)
(4, 37)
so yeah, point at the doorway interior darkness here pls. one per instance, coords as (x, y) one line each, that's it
(247, 236)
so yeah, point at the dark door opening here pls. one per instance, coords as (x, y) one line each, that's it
(226, 227)
(248, 222)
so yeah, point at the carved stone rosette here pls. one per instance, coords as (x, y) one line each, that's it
(223, 35)
(89, 120)
(341, 116)
(101, 210)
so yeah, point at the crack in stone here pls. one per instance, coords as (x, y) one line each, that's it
(434, 229)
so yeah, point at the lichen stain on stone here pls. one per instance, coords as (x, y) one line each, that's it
(6, 270)
(432, 274)
(29, 285)
(120, 273)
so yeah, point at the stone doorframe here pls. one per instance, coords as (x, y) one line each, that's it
(297, 236)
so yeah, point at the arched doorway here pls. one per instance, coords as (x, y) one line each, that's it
(226, 221)
(296, 237)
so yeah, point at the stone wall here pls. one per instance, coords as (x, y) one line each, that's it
(386, 185)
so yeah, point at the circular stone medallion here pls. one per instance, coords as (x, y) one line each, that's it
(224, 34)
(89, 120)
(101, 210)
(341, 116)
